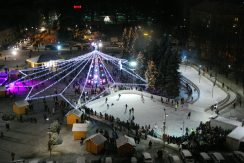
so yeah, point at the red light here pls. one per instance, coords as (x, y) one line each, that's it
(77, 6)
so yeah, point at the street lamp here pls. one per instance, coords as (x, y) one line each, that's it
(199, 72)
(133, 64)
(100, 45)
(164, 129)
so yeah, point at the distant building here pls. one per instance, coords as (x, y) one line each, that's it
(73, 116)
(125, 145)
(79, 131)
(95, 143)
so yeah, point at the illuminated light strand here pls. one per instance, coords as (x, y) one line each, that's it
(26, 80)
(41, 97)
(70, 66)
(97, 95)
(85, 56)
(135, 75)
(40, 76)
(67, 101)
(63, 77)
(27, 97)
(59, 79)
(73, 80)
(106, 70)
(66, 65)
(130, 84)
(93, 56)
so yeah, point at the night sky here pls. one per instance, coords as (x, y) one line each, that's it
(25, 12)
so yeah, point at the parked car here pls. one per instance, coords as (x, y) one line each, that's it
(174, 159)
(239, 155)
(187, 156)
(108, 160)
(205, 158)
(147, 157)
(217, 157)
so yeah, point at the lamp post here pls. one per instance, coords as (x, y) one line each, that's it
(199, 72)
(164, 129)
(214, 83)
(133, 64)
(14, 53)
(100, 45)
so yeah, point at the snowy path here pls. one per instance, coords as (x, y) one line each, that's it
(152, 111)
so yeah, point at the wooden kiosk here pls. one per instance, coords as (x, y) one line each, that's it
(20, 107)
(125, 145)
(73, 116)
(79, 130)
(95, 143)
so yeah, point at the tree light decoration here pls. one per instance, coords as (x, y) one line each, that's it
(91, 71)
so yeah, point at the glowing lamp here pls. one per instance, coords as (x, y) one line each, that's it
(77, 7)
(95, 76)
(133, 63)
(59, 47)
(14, 52)
(100, 45)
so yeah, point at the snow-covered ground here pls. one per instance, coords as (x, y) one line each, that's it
(152, 111)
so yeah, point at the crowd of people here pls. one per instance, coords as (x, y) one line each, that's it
(204, 138)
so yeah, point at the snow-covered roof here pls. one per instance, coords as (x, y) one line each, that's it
(224, 123)
(22, 103)
(44, 58)
(237, 133)
(146, 155)
(79, 127)
(81, 160)
(34, 59)
(97, 139)
(125, 140)
(2, 89)
(76, 112)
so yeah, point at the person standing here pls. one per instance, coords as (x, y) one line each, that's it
(189, 115)
(12, 156)
(7, 126)
(150, 144)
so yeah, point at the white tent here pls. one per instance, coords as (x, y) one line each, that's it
(224, 123)
(235, 137)
(125, 140)
(97, 139)
(79, 127)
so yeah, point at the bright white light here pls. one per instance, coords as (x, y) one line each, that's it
(42, 29)
(107, 19)
(95, 76)
(14, 52)
(133, 63)
(93, 43)
(100, 45)
(59, 47)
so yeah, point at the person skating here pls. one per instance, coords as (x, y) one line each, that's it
(150, 144)
(12, 155)
(106, 100)
(7, 126)
(132, 109)
(189, 115)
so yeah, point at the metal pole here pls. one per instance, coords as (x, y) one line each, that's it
(164, 128)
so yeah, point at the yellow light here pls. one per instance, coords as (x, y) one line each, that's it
(145, 34)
